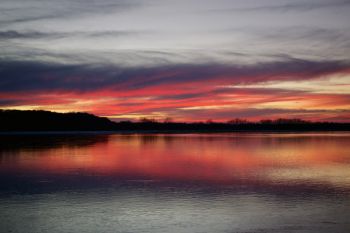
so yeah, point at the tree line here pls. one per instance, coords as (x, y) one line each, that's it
(16, 120)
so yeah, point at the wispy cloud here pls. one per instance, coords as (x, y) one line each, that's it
(294, 6)
(11, 34)
(17, 11)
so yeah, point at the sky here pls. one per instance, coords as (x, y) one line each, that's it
(188, 60)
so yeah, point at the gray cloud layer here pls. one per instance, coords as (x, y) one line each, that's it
(294, 6)
(143, 32)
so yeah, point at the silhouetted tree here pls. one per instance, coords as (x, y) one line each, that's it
(237, 121)
(15, 120)
(147, 120)
(168, 120)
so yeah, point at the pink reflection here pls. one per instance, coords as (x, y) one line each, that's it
(321, 158)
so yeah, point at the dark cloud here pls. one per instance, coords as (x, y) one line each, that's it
(11, 34)
(36, 76)
(7, 102)
(22, 35)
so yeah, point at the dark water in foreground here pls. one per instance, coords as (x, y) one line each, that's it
(175, 183)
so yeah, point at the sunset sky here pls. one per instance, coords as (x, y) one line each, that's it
(190, 60)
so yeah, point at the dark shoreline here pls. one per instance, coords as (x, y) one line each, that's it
(121, 132)
(44, 122)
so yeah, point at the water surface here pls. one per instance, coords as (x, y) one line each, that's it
(239, 182)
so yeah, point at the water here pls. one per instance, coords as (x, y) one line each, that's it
(175, 183)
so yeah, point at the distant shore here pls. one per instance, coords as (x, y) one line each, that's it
(130, 132)
(45, 122)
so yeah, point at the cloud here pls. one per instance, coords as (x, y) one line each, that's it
(36, 76)
(173, 57)
(12, 34)
(294, 6)
(17, 35)
(140, 31)
(184, 92)
(7, 102)
(17, 11)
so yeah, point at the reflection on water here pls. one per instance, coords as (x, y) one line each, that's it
(175, 183)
